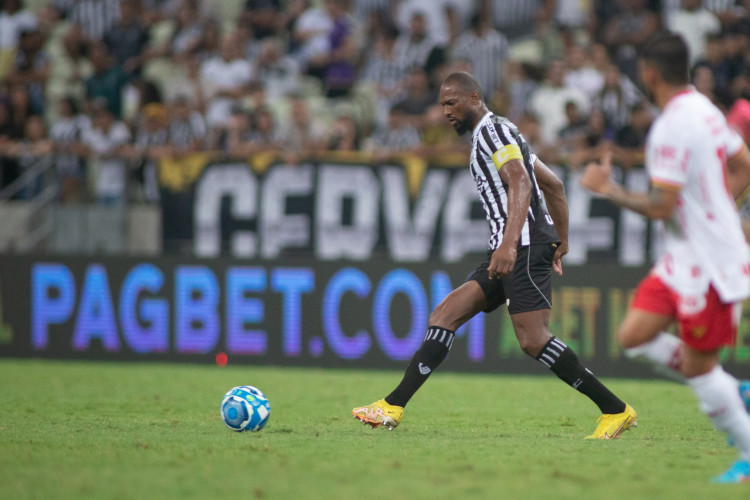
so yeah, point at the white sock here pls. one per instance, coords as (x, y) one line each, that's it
(719, 398)
(664, 352)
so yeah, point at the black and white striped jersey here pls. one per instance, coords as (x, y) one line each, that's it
(495, 141)
(95, 17)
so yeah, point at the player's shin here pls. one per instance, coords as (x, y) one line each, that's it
(564, 363)
(428, 357)
(720, 401)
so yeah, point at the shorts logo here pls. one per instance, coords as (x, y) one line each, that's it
(698, 331)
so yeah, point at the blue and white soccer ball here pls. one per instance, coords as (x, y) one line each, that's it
(245, 408)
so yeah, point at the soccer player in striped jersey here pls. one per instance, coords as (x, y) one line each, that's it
(697, 166)
(527, 242)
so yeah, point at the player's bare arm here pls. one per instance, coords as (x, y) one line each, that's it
(557, 205)
(658, 203)
(514, 174)
(738, 173)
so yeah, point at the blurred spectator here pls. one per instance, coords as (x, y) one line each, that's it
(433, 12)
(224, 80)
(236, 139)
(301, 132)
(138, 93)
(280, 73)
(516, 18)
(188, 82)
(528, 126)
(90, 19)
(31, 148)
(150, 145)
(694, 23)
(249, 133)
(573, 14)
(187, 35)
(106, 142)
(596, 142)
(630, 141)
(580, 72)
(187, 128)
(264, 136)
(107, 80)
(415, 48)
(8, 166)
(573, 135)
(155, 11)
(363, 10)
(399, 136)
(738, 118)
(418, 98)
(128, 37)
(617, 98)
(31, 68)
(726, 11)
(487, 51)
(345, 134)
(703, 79)
(626, 31)
(548, 102)
(263, 17)
(14, 20)
(19, 110)
(386, 71)
(311, 35)
(67, 133)
(522, 80)
(339, 70)
(716, 59)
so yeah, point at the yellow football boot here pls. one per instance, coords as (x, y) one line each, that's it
(379, 413)
(612, 425)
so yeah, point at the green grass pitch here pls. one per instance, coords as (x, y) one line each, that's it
(79, 430)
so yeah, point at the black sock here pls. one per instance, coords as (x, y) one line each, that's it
(435, 347)
(564, 363)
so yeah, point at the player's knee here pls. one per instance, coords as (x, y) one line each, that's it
(441, 316)
(531, 343)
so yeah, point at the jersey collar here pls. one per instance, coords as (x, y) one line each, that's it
(688, 90)
(479, 125)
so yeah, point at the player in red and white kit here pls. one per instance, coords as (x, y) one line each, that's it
(697, 166)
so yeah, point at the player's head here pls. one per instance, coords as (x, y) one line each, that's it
(663, 60)
(461, 99)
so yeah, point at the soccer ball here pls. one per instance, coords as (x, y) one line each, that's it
(245, 408)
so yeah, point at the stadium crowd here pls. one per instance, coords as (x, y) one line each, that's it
(106, 88)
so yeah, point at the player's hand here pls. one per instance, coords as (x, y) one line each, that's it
(562, 249)
(597, 176)
(502, 261)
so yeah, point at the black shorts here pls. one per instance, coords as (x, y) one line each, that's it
(527, 288)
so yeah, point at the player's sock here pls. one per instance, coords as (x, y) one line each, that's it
(564, 363)
(435, 347)
(720, 401)
(663, 352)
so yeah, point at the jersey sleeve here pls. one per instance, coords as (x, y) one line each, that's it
(734, 141)
(501, 143)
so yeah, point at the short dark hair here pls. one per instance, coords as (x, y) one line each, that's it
(465, 81)
(668, 53)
